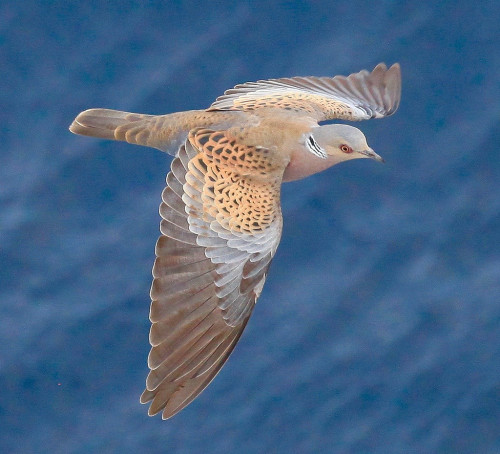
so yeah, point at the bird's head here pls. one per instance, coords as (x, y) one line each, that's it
(343, 142)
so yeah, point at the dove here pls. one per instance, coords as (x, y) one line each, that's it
(221, 215)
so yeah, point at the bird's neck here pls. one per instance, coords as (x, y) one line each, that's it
(303, 163)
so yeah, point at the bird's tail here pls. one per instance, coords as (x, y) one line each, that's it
(114, 125)
(104, 123)
(165, 132)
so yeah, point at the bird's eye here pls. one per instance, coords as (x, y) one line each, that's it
(345, 148)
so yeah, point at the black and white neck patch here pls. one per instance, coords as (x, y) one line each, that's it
(314, 148)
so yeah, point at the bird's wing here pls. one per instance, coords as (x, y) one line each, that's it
(360, 96)
(220, 229)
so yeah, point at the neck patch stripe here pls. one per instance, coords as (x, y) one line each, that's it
(314, 148)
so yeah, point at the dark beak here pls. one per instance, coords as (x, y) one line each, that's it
(371, 154)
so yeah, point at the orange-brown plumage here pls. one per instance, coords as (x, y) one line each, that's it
(221, 215)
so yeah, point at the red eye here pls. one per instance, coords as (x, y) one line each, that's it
(345, 149)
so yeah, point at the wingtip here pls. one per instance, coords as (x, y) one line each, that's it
(380, 67)
(395, 70)
(392, 80)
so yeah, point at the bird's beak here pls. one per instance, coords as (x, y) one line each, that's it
(371, 154)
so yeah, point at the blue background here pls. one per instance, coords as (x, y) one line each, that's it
(378, 330)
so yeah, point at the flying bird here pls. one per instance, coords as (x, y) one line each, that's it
(221, 216)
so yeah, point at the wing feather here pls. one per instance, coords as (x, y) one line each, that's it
(359, 96)
(210, 267)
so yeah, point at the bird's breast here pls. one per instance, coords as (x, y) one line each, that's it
(304, 163)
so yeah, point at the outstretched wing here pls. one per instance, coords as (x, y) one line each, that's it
(220, 229)
(360, 96)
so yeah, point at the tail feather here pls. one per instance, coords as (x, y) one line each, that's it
(164, 132)
(105, 123)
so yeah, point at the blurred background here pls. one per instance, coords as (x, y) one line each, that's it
(378, 330)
